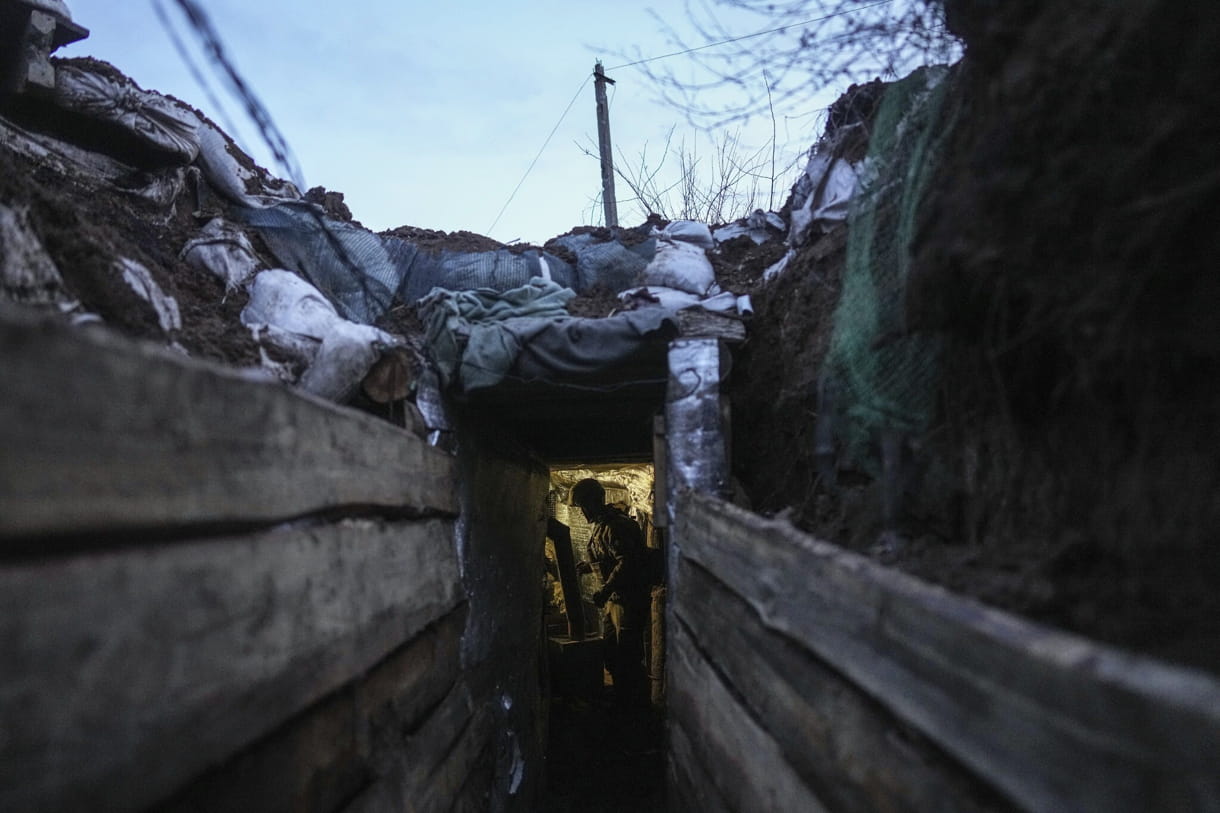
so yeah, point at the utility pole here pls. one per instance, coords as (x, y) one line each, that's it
(603, 144)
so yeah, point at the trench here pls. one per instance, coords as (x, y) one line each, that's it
(604, 752)
(600, 752)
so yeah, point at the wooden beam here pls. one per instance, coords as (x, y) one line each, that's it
(102, 434)
(1054, 721)
(690, 787)
(699, 323)
(324, 756)
(742, 759)
(125, 674)
(435, 762)
(851, 750)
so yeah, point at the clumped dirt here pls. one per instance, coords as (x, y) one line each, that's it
(434, 240)
(85, 229)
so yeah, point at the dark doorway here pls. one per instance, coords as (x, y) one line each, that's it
(603, 754)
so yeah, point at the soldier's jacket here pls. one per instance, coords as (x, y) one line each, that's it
(616, 549)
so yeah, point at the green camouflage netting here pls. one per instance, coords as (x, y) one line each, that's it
(884, 379)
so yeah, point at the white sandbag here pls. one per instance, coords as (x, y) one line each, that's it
(140, 280)
(688, 231)
(293, 308)
(224, 250)
(149, 116)
(163, 188)
(282, 299)
(675, 300)
(237, 181)
(681, 265)
(759, 226)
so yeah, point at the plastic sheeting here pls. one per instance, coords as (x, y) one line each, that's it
(140, 280)
(611, 264)
(364, 273)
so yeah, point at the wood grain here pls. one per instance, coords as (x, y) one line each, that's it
(1055, 722)
(124, 674)
(102, 435)
(744, 762)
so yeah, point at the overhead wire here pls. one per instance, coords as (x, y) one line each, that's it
(564, 115)
(198, 20)
(541, 150)
(271, 134)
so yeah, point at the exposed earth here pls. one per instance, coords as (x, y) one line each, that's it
(1063, 257)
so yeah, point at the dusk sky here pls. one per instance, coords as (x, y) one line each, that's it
(430, 115)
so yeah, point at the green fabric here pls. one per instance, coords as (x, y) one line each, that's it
(476, 335)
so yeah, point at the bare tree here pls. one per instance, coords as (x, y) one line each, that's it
(717, 181)
(798, 48)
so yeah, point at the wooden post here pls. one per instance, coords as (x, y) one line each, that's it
(561, 535)
(603, 144)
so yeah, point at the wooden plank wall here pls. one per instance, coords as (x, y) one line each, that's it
(803, 677)
(217, 594)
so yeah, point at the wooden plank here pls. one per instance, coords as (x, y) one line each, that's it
(436, 762)
(325, 756)
(852, 751)
(745, 764)
(102, 434)
(697, 322)
(125, 674)
(1055, 721)
(690, 787)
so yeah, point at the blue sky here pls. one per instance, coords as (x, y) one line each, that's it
(429, 114)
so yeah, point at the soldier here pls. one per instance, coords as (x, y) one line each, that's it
(616, 551)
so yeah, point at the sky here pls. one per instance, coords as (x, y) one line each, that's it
(430, 115)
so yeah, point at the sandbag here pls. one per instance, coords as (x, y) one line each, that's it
(224, 250)
(299, 315)
(681, 265)
(152, 118)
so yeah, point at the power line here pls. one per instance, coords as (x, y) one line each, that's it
(212, 45)
(654, 59)
(541, 149)
(749, 36)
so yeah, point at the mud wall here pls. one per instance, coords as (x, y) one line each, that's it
(1062, 262)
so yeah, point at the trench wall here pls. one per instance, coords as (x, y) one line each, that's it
(218, 594)
(804, 677)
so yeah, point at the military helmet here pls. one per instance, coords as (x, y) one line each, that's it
(586, 492)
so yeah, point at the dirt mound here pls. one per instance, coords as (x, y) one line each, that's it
(1062, 259)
